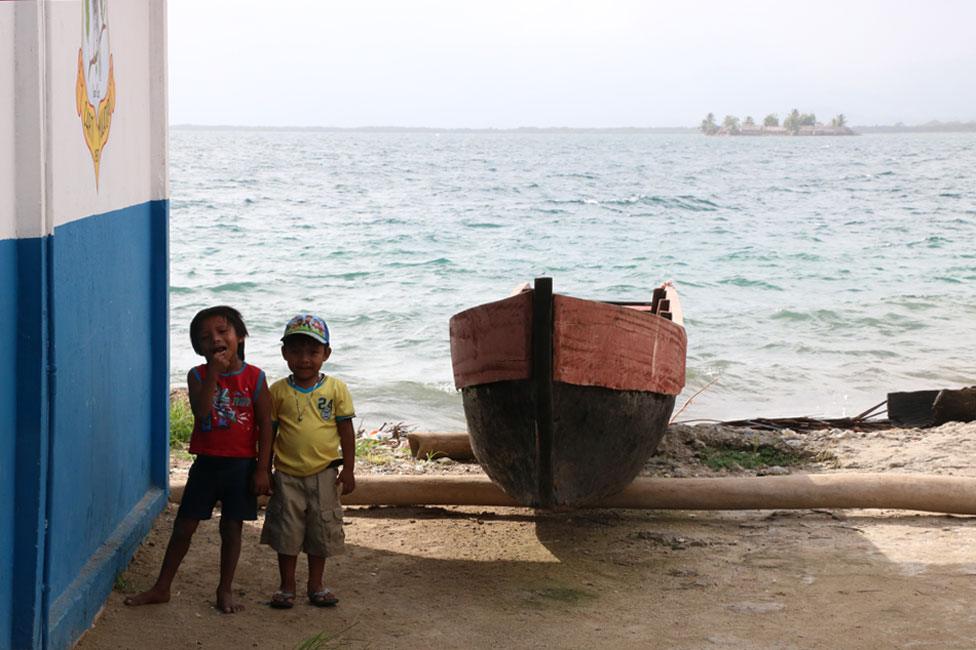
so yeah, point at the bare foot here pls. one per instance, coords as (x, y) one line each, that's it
(226, 604)
(148, 597)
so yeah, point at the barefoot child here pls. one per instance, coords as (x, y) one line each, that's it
(231, 427)
(313, 414)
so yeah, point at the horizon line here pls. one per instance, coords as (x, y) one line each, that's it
(931, 124)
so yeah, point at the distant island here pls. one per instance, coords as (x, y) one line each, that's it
(796, 123)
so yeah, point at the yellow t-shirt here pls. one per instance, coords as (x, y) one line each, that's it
(308, 437)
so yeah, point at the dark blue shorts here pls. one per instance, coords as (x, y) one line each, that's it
(213, 479)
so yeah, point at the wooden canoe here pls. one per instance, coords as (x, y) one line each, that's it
(565, 399)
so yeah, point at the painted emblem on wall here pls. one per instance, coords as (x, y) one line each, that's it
(95, 86)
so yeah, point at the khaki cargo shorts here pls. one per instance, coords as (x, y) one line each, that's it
(304, 514)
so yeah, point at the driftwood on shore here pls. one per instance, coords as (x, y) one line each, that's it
(808, 424)
(457, 445)
(430, 445)
(918, 409)
(927, 408)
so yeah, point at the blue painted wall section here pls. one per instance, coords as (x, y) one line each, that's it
(8, 428)
(30, 442)
(103, 407)
(89, 386)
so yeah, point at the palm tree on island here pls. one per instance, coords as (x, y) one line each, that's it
(795, 123)
(708, 125)
(731, 124)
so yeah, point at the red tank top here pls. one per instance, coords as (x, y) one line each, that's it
(231, 428)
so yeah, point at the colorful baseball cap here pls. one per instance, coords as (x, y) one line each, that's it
(309, 325)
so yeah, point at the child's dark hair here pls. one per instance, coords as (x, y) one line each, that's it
(233, 317)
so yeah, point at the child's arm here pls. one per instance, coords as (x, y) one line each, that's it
(201, 393)
(347, 438)
(262, 411)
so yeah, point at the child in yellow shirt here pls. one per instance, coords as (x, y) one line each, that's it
(312, 414)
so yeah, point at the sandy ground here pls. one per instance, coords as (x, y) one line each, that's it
(509, 577)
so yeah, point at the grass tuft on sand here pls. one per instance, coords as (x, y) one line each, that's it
(180, 419)
(735, 459)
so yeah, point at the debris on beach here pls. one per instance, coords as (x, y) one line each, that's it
(927, 408)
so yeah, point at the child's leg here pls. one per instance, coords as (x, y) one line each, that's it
(287, 565)
(237, 504)
(283, 531)
(230, 552)
(179, 544)
(284, 598)
(316, 571)
(323, 536)
(318, 594)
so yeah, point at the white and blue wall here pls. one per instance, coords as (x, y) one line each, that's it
(83, 316)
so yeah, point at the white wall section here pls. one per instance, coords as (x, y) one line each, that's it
(38, 113)
(7, 226)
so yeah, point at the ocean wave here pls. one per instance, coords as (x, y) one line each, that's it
(681, 202)
(439, 261)
(350, 275)
(932, 241)
(582, 175)
(805, 257)
(799, 316)
(231, 287)
(483, 224)
(750, 283)
(551, 210)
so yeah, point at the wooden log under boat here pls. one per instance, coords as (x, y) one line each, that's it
(427, 444)
(949, 494)
(565, 399)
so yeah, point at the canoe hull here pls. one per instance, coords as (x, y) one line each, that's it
(600, 441)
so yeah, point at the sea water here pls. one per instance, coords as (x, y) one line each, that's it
(816, 274)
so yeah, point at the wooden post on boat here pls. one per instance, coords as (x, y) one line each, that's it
(542, 385)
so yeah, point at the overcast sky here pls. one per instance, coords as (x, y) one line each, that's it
(599, 63)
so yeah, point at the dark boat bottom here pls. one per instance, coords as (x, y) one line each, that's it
(601, 439)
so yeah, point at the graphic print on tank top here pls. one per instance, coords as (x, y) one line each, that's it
(230, 409)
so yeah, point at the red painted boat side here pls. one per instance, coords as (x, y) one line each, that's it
(617, 347)
(492, 342)
(595, 344)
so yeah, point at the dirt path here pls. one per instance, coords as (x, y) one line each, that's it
(508, 577)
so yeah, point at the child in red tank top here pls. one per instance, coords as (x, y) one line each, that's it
(232, 439)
